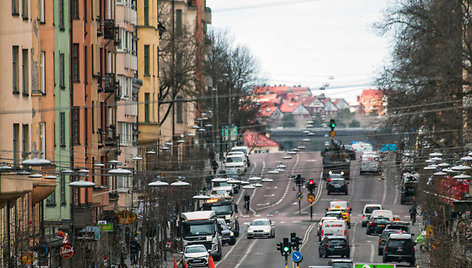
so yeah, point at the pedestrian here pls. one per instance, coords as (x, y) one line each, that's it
(247, 199)
(214, 165)
(413, 214)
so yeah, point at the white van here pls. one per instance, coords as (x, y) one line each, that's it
(333, 227)
(368, 209)
(237, 162)
(370, 163)
(382, 213)
(243, 149)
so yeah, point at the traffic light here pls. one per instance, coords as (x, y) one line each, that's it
(332, 124)
(298, 179)
(295, 241)
(280, 248)
(311, 185)
(286, 247)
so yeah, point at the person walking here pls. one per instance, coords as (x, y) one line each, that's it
(247, 199)
(214, 165)
(413, 215)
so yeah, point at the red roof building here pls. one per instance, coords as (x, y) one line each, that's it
(371, 101)
(259, 143)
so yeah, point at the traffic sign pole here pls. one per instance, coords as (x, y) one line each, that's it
(311, 211)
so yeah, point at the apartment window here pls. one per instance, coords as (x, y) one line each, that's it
(75, 125)
(63, 189)
(62, 82)
(42, 15)
(15, 7)
(121, 32)
(25, 73)
(125, 134)
(43, 72)
(75, 63)
(146, 107)
(61, 15)
(24, 9)
(25, 141)
(146, 60)
(179, 111)
(146, 12)
(15, 56)
(16, 134)
(74, 9)
(109, 62)
(42, 136)
(93, 116)
(85, 65)
(51, 200)
(62, 128)
(178, 22)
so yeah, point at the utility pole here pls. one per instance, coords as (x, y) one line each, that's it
(172, 69)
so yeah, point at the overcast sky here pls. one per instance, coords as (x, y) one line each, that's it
(305, 42)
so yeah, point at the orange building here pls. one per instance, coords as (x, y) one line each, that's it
(371, 102)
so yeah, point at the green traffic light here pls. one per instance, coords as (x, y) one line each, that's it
(286, 249)
(333, 125)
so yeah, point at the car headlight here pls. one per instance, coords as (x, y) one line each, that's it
(231, 234)
(250, 231)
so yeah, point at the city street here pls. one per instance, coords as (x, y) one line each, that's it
(278, 201)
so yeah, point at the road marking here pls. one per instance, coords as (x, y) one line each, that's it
(353, 241)
(372, 253)
(385, 192)
(249, 249)
(307, 235)
(395, 201)
(286, 190)
(353, 184)
(265, 204)
(311, 160)
(295, 221)
(231, 250)
(269, 195)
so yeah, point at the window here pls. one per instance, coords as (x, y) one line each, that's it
(15, 56)
(146, 12)
(16, 134)
(178, 22)
(122, 182)
(15, 7)
(42, 136)
(93, 116)
(146, 107)
(85, 65)
(75, 63)
(25, 73)
(62, 82)
(25, 141)
(179, 111)
(125, 134)
(63, 189)
(146, 60)
(24, 9)
(42, 11)
(74, 9)
(62, 129)
(75, 125)
(51, 200)
(61, 15)
(43, 72)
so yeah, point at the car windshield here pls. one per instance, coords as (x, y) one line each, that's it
(335, 176)
(219, 184)
(381, 220)
(398, 227)
(341, 265)
(260, 222)
(223, 209)
(198, 229)
(369, 210)
(234, 159)
(195, 249)
(337, 182)
(397, 243)
(231, 171)
(223, 224)
(219, 192)
(386, 233)
(239, 150)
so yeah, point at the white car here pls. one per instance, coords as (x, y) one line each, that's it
(196, 255)
(367, 211)
(261, 228)
(237, 162)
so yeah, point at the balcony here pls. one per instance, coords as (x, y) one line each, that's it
(207, 15)
(82, 216)
(109, 29)
(108, 83)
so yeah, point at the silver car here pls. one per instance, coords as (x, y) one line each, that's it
(261, 228)
(196, 255)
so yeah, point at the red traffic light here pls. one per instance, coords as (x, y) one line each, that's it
(311, 182)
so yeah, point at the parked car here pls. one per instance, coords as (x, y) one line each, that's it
(341, 263)
(227, 236)
(377, 225)
(261, 228)
(334, 245)
(196, 255)
(337, 185)
(400, 247)
(367, 211)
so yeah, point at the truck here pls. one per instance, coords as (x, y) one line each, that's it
(224, 209)
(201, 227)
(337, 160)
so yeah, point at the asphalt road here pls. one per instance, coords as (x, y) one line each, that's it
(278, 201)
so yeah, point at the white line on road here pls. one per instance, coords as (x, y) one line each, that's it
(265, 204)
(269, 195)
(353, 241)
(385, 192)
(395, 201)
(372, 253)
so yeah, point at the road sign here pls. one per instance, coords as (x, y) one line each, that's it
(311, 197)
(66, 251)
(297, 256)
(332, 134)
(374, 265)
